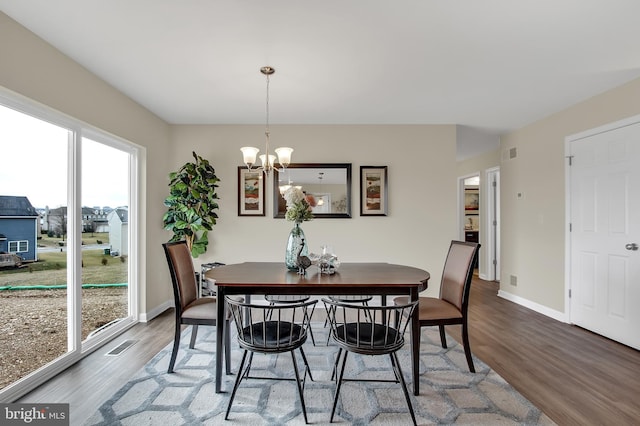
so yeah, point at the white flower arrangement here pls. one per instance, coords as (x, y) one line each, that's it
(298, 208)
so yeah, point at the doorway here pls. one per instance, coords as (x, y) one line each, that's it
(470, 213)
(479, 218)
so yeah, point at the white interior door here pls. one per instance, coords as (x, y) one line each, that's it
(605, 223)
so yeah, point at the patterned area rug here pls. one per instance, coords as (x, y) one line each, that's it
(449, 394)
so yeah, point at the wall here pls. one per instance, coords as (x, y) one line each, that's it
(422, 192)
(34, 69)
(533, 226)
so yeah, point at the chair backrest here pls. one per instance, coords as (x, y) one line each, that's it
(368, 329)
(271, 328)
(458, 272)
(183, 277)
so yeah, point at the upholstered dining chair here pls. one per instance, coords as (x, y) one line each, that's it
(189, 308)
(452, 305)
(272, 329)
(368, 330)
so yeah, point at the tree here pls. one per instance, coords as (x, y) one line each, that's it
(191, 204)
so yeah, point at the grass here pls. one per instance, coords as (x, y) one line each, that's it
(87, 238)
(51, 269)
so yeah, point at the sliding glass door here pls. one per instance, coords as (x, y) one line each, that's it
(67, 242)
(33, 244)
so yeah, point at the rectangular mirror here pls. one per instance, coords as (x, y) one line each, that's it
(327, 184)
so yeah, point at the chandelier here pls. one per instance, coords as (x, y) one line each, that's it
(268, 160)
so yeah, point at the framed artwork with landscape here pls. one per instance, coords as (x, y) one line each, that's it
(373, 190)
(250, 192)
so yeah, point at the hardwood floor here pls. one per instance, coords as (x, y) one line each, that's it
(574, 376)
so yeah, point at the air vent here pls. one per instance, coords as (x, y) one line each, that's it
(121, 348)
(513, 153)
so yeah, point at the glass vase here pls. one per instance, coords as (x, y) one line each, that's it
(296, 245)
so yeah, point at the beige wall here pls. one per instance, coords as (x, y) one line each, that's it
(422, 192)
(533, 227)
(34, 69)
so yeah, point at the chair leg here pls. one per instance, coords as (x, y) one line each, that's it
(313, 340)
(467, 348)
(334, 374)
(306, 363)
(249, 366)
(338, 385)
(300, 388)
(443, 336)
(330, 310)
(227, 346)
(398, 372)
(194, 334)
(176, 345)
(237, 383)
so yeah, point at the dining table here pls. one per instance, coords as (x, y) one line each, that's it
(379, 278)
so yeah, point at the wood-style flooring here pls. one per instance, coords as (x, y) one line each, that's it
(574, 376)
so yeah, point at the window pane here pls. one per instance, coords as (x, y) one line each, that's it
(105, 237)
(33, 303)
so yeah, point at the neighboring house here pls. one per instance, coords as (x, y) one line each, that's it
(55, 220)
(119, 230)
(94, 219)
(18, 227)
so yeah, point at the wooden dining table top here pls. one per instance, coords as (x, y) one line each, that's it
(378, 277)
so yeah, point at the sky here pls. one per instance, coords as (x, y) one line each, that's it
(33, 163)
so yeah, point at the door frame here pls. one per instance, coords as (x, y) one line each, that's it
(492, 233)
(567, 174)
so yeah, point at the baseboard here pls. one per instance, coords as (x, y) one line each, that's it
(148, 316)
(541, 309)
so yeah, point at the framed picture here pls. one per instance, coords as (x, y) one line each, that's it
(250, 192)
(471, 201)
(373, 190)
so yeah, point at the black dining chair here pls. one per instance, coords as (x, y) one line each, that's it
(368, 330)
(272, 329)
(189, 308)
(274, 299)
(348, 298)
(453, 304)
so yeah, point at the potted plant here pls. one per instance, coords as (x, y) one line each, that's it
(191, 204)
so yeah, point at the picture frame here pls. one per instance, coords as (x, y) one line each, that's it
(251, 189)
(374, 186)
(471, 201)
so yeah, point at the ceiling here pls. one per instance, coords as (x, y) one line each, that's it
(492, 65)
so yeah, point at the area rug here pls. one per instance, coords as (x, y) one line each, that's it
(449, 393)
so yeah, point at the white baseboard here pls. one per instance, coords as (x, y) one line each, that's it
(551, 313)
(148, 316)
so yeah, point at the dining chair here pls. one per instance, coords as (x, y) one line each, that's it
(272, 329)
(452, 306)
(348, 298)
(189, 308)
(274, 299)
(368, 330)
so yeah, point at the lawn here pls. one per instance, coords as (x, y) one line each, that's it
(51, 268)
(87, 238)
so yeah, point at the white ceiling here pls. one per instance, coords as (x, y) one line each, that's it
(491, 65)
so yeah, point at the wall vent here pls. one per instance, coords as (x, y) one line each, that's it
(513, 153)
(121, 348)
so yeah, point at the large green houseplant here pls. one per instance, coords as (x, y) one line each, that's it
(191, 204)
